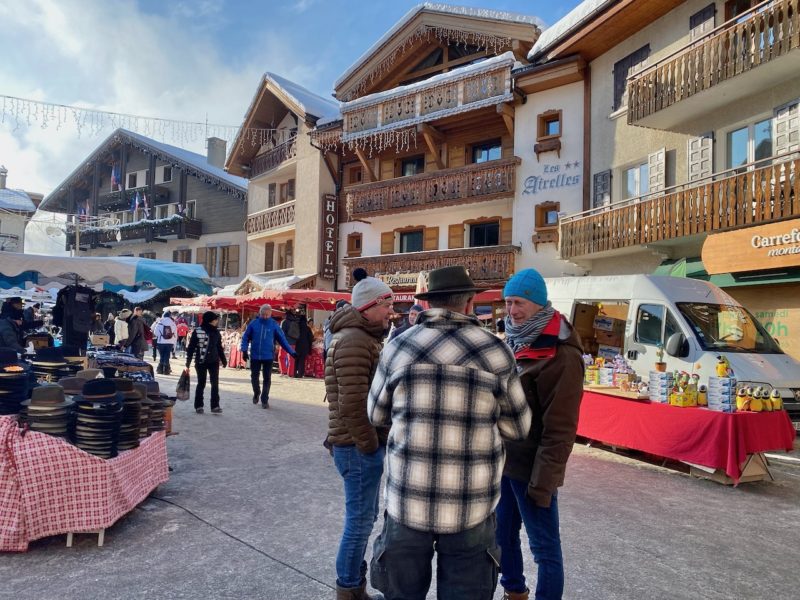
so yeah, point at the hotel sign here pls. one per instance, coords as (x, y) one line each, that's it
(329, 235)
(399, 279)
(772, 246)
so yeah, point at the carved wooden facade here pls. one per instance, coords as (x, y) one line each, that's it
(272, 218)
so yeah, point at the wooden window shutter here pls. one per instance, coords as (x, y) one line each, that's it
(387, 242)
(269, 253)
(455, 236)
(787, 128)
(702, 22)
(289, 254)
(505, 232)
(430, 239)
(700, 156)
(657, 171)
(601, 189)
(231, 261)
(200, 257)
(174, 256)
(354, 244)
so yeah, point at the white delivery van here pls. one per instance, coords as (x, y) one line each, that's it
(694, 322)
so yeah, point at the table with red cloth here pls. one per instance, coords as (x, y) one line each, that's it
(694, 435)
(49, 487)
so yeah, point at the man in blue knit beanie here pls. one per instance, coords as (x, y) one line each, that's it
(549, 362)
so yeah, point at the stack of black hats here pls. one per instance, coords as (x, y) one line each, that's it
(48, 411)
(15, 382)
(131, 414)
(49, 365)
(73, 358)
(73, 386)
(99, 411)
(157, 406)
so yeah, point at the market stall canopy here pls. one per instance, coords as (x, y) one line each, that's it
(127, 271)
(312, 299)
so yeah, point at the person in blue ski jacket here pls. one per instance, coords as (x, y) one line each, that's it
(261, 335)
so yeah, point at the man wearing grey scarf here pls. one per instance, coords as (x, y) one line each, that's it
(549, 363)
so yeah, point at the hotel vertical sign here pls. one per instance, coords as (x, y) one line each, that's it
(330, 234)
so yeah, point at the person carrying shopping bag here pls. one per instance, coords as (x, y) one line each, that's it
(205, 346)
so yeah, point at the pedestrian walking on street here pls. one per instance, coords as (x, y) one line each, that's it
(121, 327)
(450, 392)
(261, 336)
(302, 347)
(183, 332)
(358, 447)
(165, 333)
(291, 329)
(411, 320)
(136, 343)
(548, 353)
(205, 346)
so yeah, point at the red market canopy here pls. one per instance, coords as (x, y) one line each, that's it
(313, 299)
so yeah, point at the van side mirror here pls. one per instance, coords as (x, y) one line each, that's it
(677, 346)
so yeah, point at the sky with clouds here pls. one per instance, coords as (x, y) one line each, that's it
(180, 59)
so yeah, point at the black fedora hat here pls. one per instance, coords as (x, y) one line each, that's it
(448, 280)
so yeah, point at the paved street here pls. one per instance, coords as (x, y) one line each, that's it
(253, 509)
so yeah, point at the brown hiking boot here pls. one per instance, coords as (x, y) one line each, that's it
(357, 593)
(515, 595)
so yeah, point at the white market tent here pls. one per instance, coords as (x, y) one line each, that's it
(124, 271)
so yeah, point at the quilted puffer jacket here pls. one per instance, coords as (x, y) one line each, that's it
(349, 368)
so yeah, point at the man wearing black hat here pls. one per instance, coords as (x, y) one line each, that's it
(136, 342)
(449, 390)
(205, 346)
(11, 333)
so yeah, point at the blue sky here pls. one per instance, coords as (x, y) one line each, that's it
(184, 59)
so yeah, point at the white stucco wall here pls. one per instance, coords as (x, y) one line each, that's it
(564, 173)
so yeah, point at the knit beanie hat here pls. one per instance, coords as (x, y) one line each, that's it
(209, 316)
(528, 284)
(369, 291)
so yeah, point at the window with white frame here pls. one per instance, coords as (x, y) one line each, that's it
(137, 179)
(162, 211)
(164, 174)
(748, 144)
(191, 209)
(635, 181)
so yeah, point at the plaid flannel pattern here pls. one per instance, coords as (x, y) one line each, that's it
(451, 393)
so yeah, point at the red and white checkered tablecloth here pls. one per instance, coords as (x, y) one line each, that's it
(49, 487)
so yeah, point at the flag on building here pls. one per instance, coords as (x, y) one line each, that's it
(115, 176)
(145, 206)
(135, 202)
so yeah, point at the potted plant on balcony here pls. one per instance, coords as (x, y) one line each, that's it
(660, 364)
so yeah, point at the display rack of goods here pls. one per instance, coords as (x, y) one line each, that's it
(722, 394)
(48, 411)
(660, 386)
(609, 334)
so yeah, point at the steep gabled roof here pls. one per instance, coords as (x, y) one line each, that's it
(310, 104)
(573, 20)
(394, 38)
(194, 164)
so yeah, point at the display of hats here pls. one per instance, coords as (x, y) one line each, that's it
(49, 364)
(15, 382)
(72, 385)
(156, 417)
(131, 414)
(88, 373)
(98, 418)
(48, 411)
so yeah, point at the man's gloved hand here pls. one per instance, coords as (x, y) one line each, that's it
(246, 355)
(293, 354)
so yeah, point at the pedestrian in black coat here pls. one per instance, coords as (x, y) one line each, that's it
(205, 346)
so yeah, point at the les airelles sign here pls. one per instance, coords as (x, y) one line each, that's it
(772, 246)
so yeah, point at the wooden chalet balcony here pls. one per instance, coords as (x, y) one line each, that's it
(270, 219)
(749, 195)
(741, 57)
(143, 231)
(115, 201)
(473, 183)
(272, 159)
(488, 266)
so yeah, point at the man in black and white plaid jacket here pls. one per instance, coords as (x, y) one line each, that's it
(450, 392)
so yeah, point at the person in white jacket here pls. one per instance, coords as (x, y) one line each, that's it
(121, 326)
(165, 335)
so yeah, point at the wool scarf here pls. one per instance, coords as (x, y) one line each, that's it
(520, 337)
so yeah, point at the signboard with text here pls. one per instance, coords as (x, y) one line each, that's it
(330, 235)
(772, 246)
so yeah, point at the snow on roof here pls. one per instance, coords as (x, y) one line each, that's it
(16, 200)
(577, 17)
(309, 102)
(465, 11)
(198, 161)
(457, 73)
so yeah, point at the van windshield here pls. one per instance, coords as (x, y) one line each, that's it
(727, 328)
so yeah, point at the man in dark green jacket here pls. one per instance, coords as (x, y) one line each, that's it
(550, 367)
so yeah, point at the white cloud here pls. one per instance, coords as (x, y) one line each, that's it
(112, 56)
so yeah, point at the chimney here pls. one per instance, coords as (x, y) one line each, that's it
(3, 175)
(216, 152)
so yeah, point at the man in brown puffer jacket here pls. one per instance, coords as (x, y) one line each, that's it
(358, 447)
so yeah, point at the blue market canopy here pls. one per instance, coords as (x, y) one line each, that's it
(126, 271)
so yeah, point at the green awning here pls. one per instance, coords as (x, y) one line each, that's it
(693, 267)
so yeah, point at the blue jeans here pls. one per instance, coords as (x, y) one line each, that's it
(541, 524)
(466, 564)
(164, 352)
(362, 479)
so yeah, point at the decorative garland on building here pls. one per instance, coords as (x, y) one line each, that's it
(485, 41)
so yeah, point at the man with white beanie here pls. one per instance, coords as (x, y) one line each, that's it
(358, 447)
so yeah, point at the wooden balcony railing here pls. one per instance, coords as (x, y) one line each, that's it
(482, 84)
(473, 183)
(143, 231)
(766, 32)
(271, 218)
(487, 266)
(740, 197)
(272, 159)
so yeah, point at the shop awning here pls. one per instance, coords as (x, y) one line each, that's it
(694, 269)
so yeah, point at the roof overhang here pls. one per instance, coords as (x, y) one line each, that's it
(412, 31)
(537, 78)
